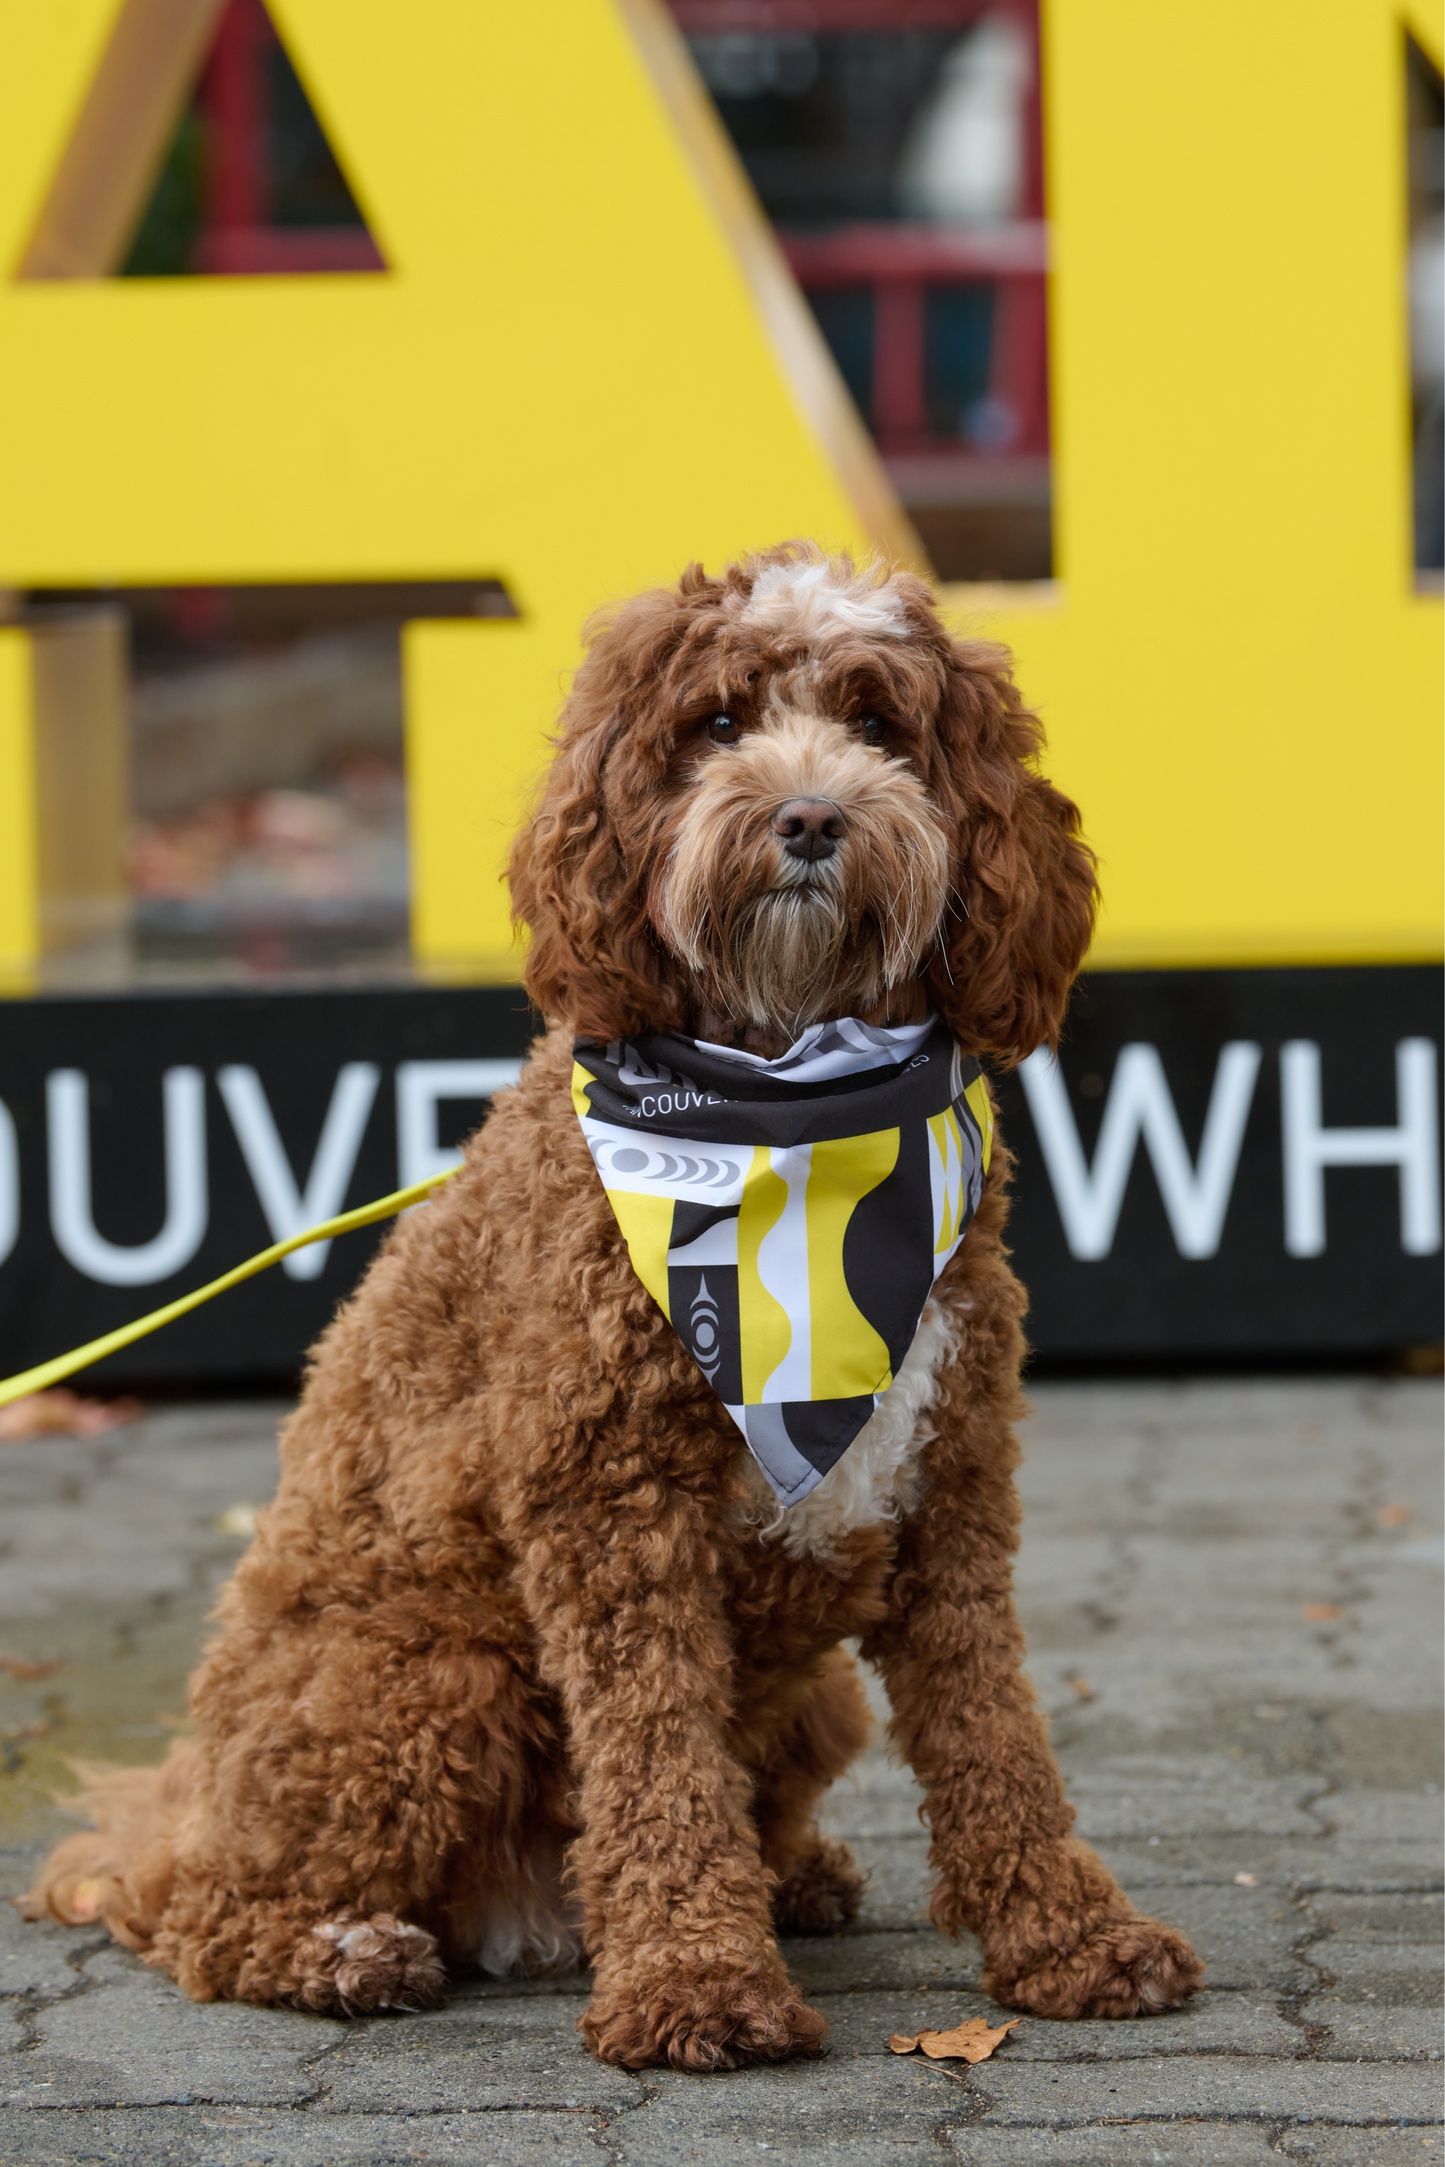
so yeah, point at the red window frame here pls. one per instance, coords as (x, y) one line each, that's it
(236, 234)
(900, 260)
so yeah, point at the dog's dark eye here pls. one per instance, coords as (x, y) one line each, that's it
(723, 729)
(873, 729)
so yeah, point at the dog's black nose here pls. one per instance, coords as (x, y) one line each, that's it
(811, 828)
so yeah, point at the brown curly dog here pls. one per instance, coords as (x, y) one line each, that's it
(517, 1666)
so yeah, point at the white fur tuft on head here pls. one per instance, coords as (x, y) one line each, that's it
(816, 600)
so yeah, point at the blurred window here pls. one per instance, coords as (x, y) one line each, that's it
(250, 182)
(268, 793)
(1426, 138)
(845, 316)
(958, 344)
(895, 146)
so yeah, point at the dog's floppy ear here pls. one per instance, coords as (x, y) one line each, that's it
(1023, 910)
(579, 868)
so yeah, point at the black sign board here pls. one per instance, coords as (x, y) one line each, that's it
(1221, 1164)
(1233, 1163)
(161, 1138)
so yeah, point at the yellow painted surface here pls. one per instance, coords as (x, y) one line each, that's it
(19, 839)
(63, 788)
(470, 769)
(567, 379)
(1240, 685)
(583, 368)
(120, 136)
(82, 776)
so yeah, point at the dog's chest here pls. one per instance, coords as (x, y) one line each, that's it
(877, 1477)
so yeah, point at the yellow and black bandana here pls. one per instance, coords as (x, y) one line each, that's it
(790, 1217)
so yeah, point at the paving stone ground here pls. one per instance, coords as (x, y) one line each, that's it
(1235, 1626)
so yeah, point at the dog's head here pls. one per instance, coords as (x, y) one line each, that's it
(785, 795)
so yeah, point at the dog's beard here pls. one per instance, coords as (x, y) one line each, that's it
(773, 942)
(792, 959)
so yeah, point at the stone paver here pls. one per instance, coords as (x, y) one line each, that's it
(1234, 1626)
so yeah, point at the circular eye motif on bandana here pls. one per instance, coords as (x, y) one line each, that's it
(703, 1320)
(640, 1164)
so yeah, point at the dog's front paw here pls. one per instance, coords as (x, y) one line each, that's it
(354, 1965)
(820, 1894)
(1120, 1968)
(701, 2021)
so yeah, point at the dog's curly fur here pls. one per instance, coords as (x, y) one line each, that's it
(511, 1666)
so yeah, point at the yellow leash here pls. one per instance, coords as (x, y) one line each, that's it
(65, 1365)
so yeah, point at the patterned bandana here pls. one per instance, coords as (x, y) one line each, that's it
(790, 1217)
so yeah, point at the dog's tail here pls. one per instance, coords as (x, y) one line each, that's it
(118, 1872)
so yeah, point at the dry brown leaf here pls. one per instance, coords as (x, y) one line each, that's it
(21, 1666)
(62, 1414)
(1320, 1613)
(971, 2041)
(1394, 1515)
(1080, 1686)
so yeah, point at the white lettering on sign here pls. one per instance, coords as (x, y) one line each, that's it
(9, 1183)
(1309, 1147)
(141, 1264)
(290, 1210)
(1196, 1198)
(1195, 1193)
(420, 1088)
